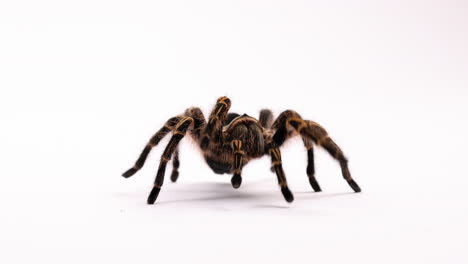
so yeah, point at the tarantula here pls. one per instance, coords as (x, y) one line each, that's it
(229, 141)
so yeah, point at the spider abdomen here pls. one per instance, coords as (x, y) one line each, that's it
(218, 166)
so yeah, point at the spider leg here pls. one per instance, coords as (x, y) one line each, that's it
(175, 165)
(215, 121)
(179, 133)
(153, 142)
(266, 118)
(310, 164)
(239, 154)
(281, 136)
(336, 152)
(275, 154)
(199, 121)
(313, 131)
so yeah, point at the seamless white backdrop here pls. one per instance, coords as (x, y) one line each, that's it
(84, 84)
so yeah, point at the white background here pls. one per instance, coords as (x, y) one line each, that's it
(84, 84)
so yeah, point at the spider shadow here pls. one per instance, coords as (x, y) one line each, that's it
(302, 197)
(221, 192)
(224, 193)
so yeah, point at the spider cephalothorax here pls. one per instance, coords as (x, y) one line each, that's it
(229, 141)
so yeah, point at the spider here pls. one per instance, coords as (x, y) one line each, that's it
(229, 141)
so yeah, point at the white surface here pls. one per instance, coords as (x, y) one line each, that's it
(85, 84)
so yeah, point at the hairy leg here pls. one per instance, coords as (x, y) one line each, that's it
(214, 127)
(153, 142)
(266, 118)
(277, 164)
(336, 152)
(179, 133)
(282, 134)
(313, 131)
(239, 154)
(175, 166)
(198, 119)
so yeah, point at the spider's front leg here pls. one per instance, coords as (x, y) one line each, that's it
(153, 142)
(214, 127)
(198, 123)
(239, 154)
(275, 154)
(179, 133)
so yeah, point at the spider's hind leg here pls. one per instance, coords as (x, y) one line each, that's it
(266, 118)
(311, 131)
(292, 119)
(336, 152)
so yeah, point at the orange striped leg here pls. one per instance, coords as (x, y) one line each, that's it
(153, 142)
(175, 166)
(239, 154)
(179, 133)
(215, 122)
(293, 119)
(276, 162)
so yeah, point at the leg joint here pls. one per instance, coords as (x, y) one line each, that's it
(322, 140)
(236, 144)
(184, 124)
(297, 123)
(177, 132)
(275, 154)
(276, 163)
(165, 159)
